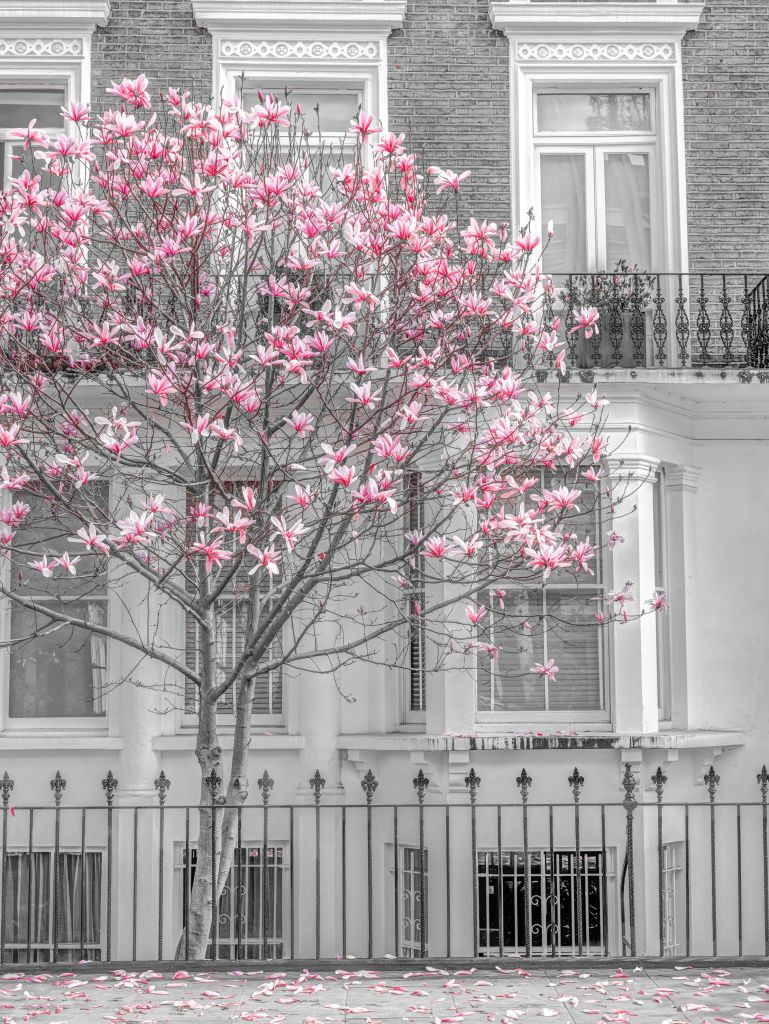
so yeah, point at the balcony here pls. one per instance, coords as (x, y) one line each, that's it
(710, 323)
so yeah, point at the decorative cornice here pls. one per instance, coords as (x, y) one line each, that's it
(682, 478)
(30, 18)
(564, 18)
(37, 47)
(376, 16)
(577, 53)
(285, 49)
(632, 466)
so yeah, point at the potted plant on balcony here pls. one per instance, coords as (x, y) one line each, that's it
(622, 296)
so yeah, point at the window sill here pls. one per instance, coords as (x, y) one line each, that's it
(546, 739)
(59, 742)
(259, 741)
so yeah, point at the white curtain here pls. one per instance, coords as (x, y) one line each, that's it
(30, 907)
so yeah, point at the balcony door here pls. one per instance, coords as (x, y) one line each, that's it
(595, 159)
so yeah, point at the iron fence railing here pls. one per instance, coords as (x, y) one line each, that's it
(430, 877)
(665, 320)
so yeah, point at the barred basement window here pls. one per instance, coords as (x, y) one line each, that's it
(410, 925)
(672, 878)
(30, 913)
(553, 905)
(417, 682)
(251, 904)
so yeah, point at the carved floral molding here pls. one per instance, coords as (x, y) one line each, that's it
(576, 52)
(301, 49)
(31, 47)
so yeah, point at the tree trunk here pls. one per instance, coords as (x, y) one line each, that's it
(202, 900)
(217, 827)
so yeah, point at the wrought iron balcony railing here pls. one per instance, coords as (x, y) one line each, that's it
(647, 320)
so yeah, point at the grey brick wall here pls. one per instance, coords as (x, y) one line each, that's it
(726, 117)
(449, 90)
(156, 37)
(448, 78)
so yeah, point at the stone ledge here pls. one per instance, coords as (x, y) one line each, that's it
(695, 739)
(259, 741)
(60, 742)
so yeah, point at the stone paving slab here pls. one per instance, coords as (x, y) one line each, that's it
(501, 994)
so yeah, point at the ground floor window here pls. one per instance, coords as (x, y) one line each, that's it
(411, 901)
(34, 915)
(553, 902)
(672, 874)
(252, 904)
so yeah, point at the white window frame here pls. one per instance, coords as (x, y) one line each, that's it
(588, 587)
(65, 82)
(673, 880)
(65, 947)
(606, 46)
(54, 726)
(50, 45)
(593, 148)
(662, 582)
(305, 42)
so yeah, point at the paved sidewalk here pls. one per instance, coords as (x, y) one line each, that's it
(502, 995)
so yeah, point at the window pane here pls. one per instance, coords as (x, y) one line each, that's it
(506, 683)
(594, 112)
(585, 523)
(59, 671)
(574, 640)
(20, 106)
(336, 106)
(628, 209)
(563, 201)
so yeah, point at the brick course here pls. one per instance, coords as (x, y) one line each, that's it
(449, 90)
(156, 37)
(726, 119)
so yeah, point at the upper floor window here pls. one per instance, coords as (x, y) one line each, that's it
(595, 158)
(327, 107)
(55, 670)
(531, 622)
(19, 104)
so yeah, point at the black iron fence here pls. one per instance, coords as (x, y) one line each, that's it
(433, 877)
(665, 319)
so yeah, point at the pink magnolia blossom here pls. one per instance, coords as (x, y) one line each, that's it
(212, 550)
(547, 670)
(92, 539)
(475, 615)
(587, 320)
(266, 558)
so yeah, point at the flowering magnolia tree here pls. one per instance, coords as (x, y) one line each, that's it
(239, 380)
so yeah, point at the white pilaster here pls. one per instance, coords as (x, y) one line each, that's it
(634, 661)
(681, 484)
